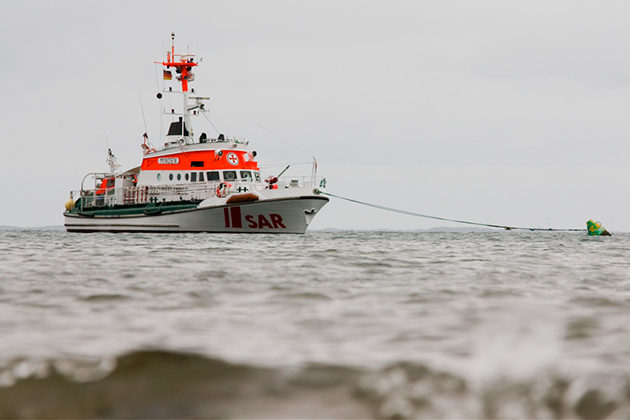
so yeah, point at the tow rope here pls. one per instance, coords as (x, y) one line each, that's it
(410, 213)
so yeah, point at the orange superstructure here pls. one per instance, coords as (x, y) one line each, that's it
(183, 154)
(206, 159)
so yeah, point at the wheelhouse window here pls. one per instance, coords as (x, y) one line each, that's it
(213, 176)
(246, 176)
(229, 175)
(201, 177)
(193, 177)
(257, 176)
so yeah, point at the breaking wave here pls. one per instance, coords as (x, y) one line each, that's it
(162, 384)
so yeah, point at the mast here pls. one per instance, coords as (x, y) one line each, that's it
(183, 64)
(182, 67)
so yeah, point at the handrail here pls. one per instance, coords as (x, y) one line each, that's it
(145, 194)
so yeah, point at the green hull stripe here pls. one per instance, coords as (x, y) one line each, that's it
(134, 210)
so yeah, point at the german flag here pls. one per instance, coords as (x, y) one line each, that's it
(168, 75)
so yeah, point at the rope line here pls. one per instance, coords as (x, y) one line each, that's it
(204, 114)
(410, 213)
(256, 122)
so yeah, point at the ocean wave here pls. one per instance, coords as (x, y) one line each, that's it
(163, 384)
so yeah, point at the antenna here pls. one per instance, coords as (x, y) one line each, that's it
(142, 109)
(172, 46)
(106, 141)
(103, 145)
(146, 136)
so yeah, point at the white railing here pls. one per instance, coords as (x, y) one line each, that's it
(181, 192)
(301, 182)
(149, 193)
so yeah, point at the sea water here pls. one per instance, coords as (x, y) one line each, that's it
(321, 325)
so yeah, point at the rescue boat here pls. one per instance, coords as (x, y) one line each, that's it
(193, 184)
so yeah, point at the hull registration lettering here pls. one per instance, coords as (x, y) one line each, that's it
(234, 219)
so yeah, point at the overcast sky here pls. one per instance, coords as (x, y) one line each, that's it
(501, 112)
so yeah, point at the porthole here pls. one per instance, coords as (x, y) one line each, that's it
(179, 177)
(186, 177)
(170, 176)
(159, 177)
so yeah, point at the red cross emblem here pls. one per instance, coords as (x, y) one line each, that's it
(232, 158)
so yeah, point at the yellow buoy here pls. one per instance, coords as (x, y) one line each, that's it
(69, 204)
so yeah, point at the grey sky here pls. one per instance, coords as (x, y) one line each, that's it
(501, 112)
